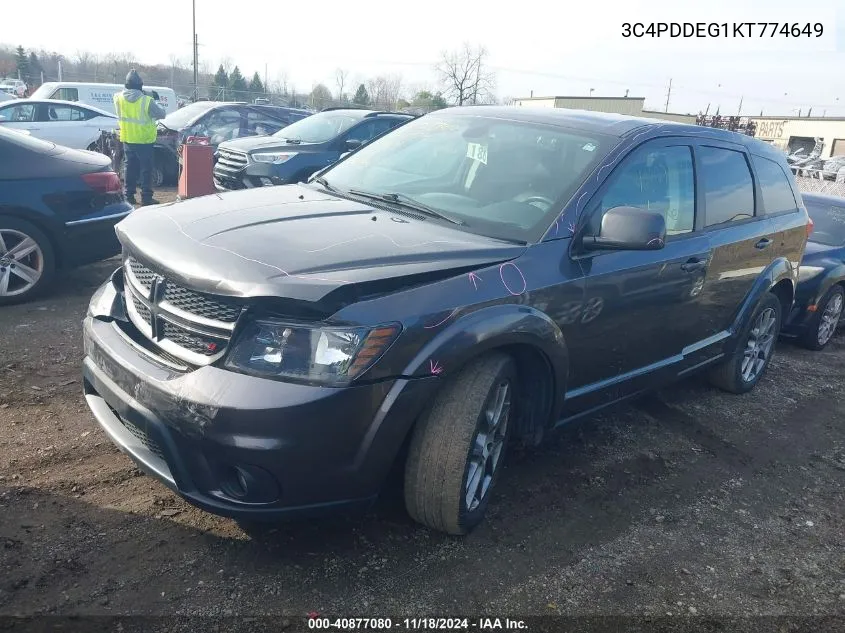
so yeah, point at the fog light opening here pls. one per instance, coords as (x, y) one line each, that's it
(237, 483)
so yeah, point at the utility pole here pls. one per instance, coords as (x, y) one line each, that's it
(739, 109)
(266, 89)
(194, 40)
(668, 94)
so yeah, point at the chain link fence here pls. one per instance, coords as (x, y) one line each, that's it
(819, 185)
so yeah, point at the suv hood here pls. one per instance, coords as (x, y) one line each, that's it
(252, 143)
(299, 243)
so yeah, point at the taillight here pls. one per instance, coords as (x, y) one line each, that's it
(103, 181)
(810, 225)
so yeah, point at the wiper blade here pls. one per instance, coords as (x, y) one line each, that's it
(407, 202)
(325, 183)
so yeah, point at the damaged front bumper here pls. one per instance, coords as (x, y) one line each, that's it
(238, 445)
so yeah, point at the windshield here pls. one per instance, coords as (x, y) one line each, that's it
(185, 116)
(828, 223)
(318, 128)
(501, 178)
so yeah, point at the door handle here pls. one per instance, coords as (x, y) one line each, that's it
(763, 243)
(693, 265)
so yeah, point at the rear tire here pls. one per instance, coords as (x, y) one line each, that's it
(754, 351)
(458, 446)
(32, 251)
(158, 176)
(822, 326)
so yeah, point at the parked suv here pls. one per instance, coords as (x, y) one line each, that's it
(219, 122)
(477, 276)
(295, 152)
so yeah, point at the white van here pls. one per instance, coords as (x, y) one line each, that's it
(99, 95)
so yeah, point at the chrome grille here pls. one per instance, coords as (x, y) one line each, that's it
(195, 342)
(204, 306)
(143, 274)
(142, 310)
(232, 160)
(192, 326)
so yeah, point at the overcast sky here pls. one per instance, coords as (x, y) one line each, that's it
(552, 48)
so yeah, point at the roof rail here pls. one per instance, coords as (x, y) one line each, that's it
(346, 107)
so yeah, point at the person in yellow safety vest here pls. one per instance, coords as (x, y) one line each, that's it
(137, 114)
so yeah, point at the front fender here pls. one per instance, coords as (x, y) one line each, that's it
(829, 279)
(495, 327)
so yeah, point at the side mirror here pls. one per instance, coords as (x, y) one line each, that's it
(629, 229)
(352, 144)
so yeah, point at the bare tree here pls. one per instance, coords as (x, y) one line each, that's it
(465, 76)
(227, 64)
(384, 91)
(340, 78)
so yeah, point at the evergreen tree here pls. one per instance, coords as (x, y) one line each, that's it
(34, 69)
(361, 97)
(255, 84)
(22, 63)
(220, 84)
(237, 83)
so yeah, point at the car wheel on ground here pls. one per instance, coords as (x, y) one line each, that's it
(822, 326)
(157, 176)
(754, 349)
(457, 447)
(27, 260)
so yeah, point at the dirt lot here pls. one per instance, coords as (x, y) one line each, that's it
(687, 502)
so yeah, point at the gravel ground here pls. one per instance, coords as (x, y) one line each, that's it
(689, 502)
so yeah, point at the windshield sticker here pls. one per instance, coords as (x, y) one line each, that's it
(477, 151)
(589, 147)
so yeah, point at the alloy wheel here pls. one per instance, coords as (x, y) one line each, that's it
(21, 263)
(758, 349)
(830, 319)
(486, 452)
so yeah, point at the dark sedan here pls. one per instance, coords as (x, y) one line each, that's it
(820, 296)
(218, 122)
(58, 208)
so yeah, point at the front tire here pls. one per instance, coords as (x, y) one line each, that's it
(822, 326)
(746, 367)
(458, 446)
(27, 261)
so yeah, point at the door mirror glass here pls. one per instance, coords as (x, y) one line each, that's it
(629, 229)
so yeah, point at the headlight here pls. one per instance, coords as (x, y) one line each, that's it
(332, 356)
(277, 158)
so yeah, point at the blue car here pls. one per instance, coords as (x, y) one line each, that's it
(58, 208)
(297, 151)
(820, 296)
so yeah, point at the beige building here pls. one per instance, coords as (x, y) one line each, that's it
(632, 106)
(791, 133)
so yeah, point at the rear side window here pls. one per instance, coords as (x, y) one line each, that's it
(728, 187)
(777, 194)
(66, 94)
